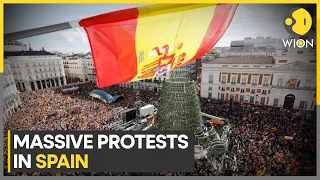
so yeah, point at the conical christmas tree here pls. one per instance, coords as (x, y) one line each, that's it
(179, 107)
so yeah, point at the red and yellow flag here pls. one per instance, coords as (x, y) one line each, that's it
(144, 42)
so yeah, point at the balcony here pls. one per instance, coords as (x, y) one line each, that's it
(298, 88)
(223, 82)
(243, 83)
(265, 85)
(254, 84)
(233, 82)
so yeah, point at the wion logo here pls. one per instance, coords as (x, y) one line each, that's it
(298, 22)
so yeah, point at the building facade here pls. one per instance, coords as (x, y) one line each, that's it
(89, 70)
(283, 80)
(294, 82)
(241, 78)
(264, 44)
(154, 84)
(34, 70)
(11, 100)
(79, 68)
(14, 46)
(74, 70)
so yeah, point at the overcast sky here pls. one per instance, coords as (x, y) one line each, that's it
(249, 21)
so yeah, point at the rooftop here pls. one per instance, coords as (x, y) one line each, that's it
(27, 53)
(242, 60)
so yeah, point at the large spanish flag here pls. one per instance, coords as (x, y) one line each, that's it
(144, 42)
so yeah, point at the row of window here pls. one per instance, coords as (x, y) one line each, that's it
(286, 61)
(253, 91)
(8, 79)
(254, 80)
(45, 75)
(40, 84)
(246, 66)
(34, 64)
(266, 80)
(7, 70)
(44, 69)
(302, 104)
(66, 62)
(241, 98)
(72, 67)
(294, 83)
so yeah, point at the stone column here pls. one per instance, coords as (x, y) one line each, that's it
(19, 86)
(35, 85)
(45, 83)
(50, 83)
(28, 86)
(64, 80)
(22, 86)
(59, 82)
(54, 82)
(41, 84)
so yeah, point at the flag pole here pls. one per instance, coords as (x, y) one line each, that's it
(39, 31)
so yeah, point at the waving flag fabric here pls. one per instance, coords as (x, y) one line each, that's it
(144, 42)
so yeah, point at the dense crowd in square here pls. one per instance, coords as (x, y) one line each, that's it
(257, 139)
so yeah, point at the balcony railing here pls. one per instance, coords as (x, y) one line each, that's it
(233, 82)
(254, 84)
(299, 88)
(243, 83)
(265, 85)
(223, 82)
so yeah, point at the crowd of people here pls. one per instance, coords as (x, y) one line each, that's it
(52, 109)
(257, 140)
(268, 140)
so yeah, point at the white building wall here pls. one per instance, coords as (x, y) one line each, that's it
(11, 94)
(205, 84)
(14, 46)
(81, 69)
(298, 64)
(43, 71)
(300, 95)
(89, 69)
(74, 69)
(215, 70)
(308, 56)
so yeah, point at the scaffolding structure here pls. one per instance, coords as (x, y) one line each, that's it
(179, 107)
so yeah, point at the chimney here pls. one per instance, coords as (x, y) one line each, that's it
(30, 49)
